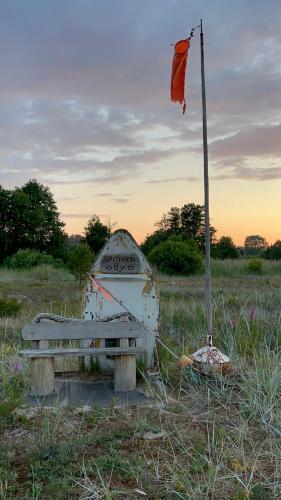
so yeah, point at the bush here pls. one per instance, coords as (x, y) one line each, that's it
(225, 249)
(255, 266)
(273, 252)
(44, 272)
(175, 256)
(26, 259)
(153, 240)
(80, 259)
(9, 307)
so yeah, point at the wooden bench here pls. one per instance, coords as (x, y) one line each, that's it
(42, 356)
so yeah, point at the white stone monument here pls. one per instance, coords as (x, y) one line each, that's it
(122, 269)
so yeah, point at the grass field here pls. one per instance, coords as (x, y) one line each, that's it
(214, 438)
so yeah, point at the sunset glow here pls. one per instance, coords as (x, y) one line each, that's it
(85, 109)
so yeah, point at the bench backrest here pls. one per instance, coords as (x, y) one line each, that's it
(76, 330)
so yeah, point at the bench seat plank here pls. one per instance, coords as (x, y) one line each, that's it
(77, 330)
(109, 351)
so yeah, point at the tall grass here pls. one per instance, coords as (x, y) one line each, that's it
(215, 437)
(240, 268)
(37, 274)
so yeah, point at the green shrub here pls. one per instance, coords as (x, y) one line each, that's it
(79, 260)
(26, 259)
(152, 240)
(255, 266)
(224, 249)
(273, 252)
(9, 307)
(175, 256)
(45, 272)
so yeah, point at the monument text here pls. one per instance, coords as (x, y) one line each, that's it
(120, 264)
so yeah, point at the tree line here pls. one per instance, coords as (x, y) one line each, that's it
(31, 233)
(187, 223)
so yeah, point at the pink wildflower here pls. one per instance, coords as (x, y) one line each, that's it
(253, 313)
(17, 367)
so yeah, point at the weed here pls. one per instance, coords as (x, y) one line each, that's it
(222, 436)
(255, 266)
(9, 306)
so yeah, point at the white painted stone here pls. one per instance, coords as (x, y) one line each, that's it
(122, 269)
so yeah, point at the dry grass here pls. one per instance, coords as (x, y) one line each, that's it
(216, 438)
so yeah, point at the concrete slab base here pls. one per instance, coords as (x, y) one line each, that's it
(81, 393)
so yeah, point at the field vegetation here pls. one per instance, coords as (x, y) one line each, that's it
(207, 437)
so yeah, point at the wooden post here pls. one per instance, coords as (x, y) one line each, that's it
(125, 373)
(124, 370)
(42, 376)
(42, 373)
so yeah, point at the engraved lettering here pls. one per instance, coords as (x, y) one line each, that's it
(120, 263)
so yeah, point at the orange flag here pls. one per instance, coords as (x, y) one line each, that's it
(178, 72)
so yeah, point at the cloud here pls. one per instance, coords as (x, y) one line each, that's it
(238, 154)
(121, 200)
(75, 216)
(173, 179)
(84, 95)
(250, 173)
(255, 141)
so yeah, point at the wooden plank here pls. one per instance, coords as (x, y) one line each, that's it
(81, 330)
(109, 351)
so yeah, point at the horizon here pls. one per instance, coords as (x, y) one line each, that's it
(86, 110)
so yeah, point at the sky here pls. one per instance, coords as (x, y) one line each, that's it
(85, 109)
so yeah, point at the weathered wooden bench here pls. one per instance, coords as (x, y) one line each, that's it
(42, 355)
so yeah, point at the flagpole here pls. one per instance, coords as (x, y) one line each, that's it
(208, 288)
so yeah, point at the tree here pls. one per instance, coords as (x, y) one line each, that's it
(175, 256)
(45, 228)
(255, 245)
(187, 222)
(274, 251)
(80, 259)
(72, 240)
(225, 249)
(171, 222)
(29, 219)
(96, 233)
(192, 220)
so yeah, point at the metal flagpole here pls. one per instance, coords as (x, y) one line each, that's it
(208, 286)
(208, 355)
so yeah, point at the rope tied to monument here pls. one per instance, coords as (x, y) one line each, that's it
(106, 293)
(64, 319)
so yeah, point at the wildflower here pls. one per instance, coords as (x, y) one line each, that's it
(17, 367)
(253, 313)
(233, 324)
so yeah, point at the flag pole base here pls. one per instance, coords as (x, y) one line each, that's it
(209, 358)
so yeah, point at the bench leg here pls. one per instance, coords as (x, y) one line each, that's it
(42, 376)
(125, 373)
